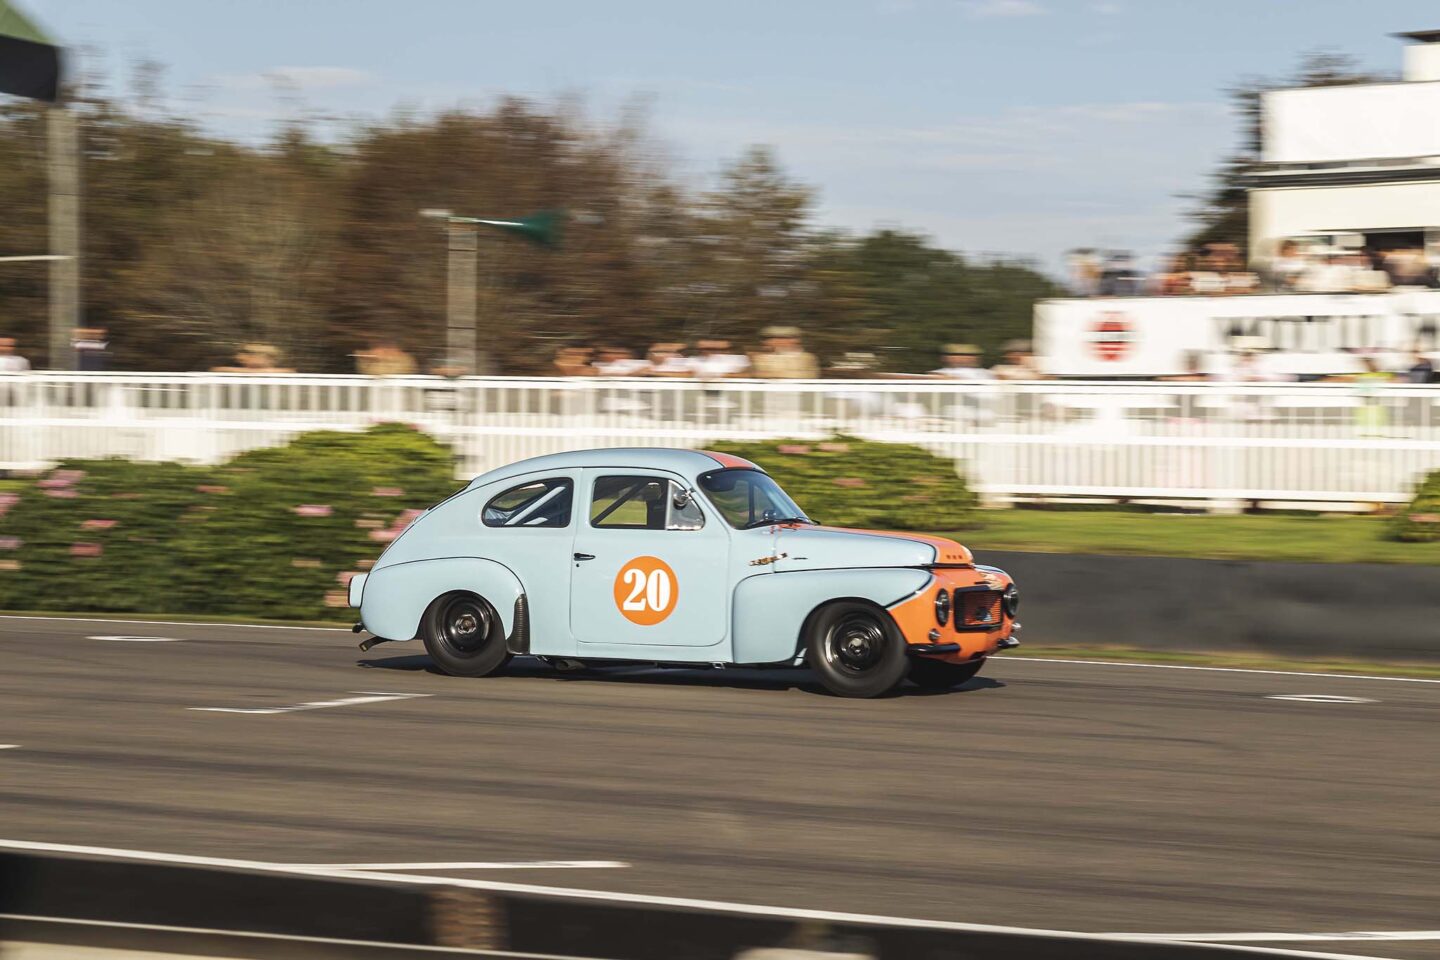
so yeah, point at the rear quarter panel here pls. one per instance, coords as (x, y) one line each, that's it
(395, 596)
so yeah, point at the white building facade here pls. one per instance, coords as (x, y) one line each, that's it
(1353, 165)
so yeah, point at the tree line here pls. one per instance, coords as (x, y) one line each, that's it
(195, 244)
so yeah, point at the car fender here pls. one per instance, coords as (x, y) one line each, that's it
(770, 610)
(395, 597)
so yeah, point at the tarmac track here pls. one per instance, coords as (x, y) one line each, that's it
(1043, 794)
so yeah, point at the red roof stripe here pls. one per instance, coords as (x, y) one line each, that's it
(726, 460)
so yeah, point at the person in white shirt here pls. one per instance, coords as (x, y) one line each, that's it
(716, 359)
(619, 362)
(962, 362)
(10, 361)
(669, 360)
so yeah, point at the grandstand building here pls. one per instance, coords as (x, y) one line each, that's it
(1355, 165)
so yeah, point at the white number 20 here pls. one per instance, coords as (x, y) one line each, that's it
(647, 593)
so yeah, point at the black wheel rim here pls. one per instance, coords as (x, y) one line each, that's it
(465, 626)
(855, 644)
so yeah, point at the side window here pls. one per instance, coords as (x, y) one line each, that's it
(539, 503)
(643, 503)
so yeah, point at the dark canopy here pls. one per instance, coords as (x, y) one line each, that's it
(29, 62)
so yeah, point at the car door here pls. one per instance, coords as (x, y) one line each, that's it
(650, 563)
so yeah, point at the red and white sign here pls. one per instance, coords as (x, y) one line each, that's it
(1111, 335)
(1313, 333)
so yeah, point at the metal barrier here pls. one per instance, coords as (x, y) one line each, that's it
(1317, 443)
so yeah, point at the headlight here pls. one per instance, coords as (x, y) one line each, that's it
(1011, 598)
(942, 607)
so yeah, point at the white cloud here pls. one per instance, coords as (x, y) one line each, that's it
(992, 9)
(298, 78)
(321, 78)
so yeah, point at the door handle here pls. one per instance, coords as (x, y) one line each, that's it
(584, 556)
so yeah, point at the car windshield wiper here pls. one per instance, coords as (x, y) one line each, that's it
(764, 521)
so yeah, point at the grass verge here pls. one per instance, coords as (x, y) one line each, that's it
(1305, 539)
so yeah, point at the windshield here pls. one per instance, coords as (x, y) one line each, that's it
(748, 498)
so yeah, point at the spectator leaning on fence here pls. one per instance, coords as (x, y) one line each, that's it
(92, 350)
(614, 361)
(1019, 363)
(961, 361)
(784, 356)
(716, 359)
(669, 360)
(10, 361)
(385, 359)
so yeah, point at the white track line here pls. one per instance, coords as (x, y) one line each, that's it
(1186, 666)
(1381, 935)
(124, 639)
(175, 623)
(1319, 698)
(9, 746)
(719, 906)
(478, 865)
(370, 697)
(285, 937)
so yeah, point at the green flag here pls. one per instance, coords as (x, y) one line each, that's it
(29, 61)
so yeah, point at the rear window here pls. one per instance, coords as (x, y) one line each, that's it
(538, 503)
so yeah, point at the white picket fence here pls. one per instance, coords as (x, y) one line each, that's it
(1304, 443)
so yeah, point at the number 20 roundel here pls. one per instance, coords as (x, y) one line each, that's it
(646, 590)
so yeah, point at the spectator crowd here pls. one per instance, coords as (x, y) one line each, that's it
(1218, 269)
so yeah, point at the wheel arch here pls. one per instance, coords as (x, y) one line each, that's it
(396, 597)
(773, 610)
(801, 655)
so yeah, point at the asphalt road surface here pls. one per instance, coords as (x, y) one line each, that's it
(1042, 794)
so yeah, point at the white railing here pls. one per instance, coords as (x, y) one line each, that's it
(1316, 443)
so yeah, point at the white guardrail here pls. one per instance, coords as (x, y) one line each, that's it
(1315, 443)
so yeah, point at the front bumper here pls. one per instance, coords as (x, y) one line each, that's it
(978, 624)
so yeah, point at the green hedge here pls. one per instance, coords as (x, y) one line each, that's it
(1419, 521)
(272, 533)
(858, 483)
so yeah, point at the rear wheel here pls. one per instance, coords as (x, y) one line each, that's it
(856, 650)
(464, 636)
(939, 675)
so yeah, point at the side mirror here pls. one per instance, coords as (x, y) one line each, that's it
(683, 498)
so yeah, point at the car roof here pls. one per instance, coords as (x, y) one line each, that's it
(687, 463)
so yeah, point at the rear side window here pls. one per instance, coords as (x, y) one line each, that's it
(539, 503)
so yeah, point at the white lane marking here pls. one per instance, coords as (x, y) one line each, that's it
(285, 937)
(9, 746)
(718, 906)
(1319, 698)
(369, 697)
(124, 639)
(1386, 935)
(175, 623)
(1186, 666)
(478, 865)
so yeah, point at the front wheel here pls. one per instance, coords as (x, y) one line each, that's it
(939, 675)
(856, 650)
(464, 636)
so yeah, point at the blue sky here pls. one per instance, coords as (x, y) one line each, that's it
(1016, 126)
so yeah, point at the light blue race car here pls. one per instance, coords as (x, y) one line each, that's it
(678, 558)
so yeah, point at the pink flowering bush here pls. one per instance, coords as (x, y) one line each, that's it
(111, 535)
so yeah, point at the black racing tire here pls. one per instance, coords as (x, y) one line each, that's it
(464, 636)
(855, 649)
(939, 675)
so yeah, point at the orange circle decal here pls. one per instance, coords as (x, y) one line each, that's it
(646, 590)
